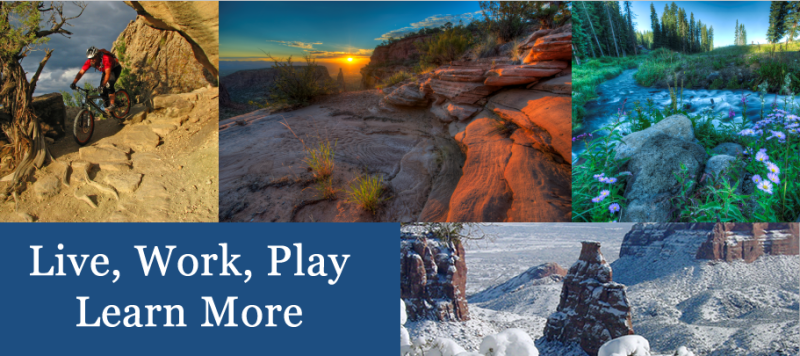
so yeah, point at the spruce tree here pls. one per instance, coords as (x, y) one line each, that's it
(736, 34)
(793, 21)
(631, 30)
(656, 27)
(777, 20)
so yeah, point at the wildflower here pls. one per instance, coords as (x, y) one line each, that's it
(772, 168)
(756, 179)
(604, 193)
(747, 132)
(611, 180)
(614, 207)
(731, 114)
(598, 199)
(748, 151)
(762, 156)
(777, 134)
(599, 176)
(774, 178)
(765, 186)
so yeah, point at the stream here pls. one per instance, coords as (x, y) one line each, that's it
(603, 110)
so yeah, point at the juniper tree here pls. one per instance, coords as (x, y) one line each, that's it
(25, 27)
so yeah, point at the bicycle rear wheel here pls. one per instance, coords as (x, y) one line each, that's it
(122, 101)
(83, 127)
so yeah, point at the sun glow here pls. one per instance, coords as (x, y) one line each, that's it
(349, 59)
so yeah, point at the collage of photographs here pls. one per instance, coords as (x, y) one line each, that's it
(652, 208)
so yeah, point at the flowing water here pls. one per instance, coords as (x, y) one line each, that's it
(613, 93)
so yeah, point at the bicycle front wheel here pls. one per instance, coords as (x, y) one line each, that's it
(83, 127)
(122, 101)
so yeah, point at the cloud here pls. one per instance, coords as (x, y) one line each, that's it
(430, 22)
(297, 44)
(329, 54)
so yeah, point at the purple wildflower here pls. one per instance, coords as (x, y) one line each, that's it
(611, 180)
(614, 207)
(604, 193)
(762, 156)
(774, 178)
(765, 186)
(731, 114)
(772, 168)
(756, 179)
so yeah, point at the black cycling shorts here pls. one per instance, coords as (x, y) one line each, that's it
(112, 80)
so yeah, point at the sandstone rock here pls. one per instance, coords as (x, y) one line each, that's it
(407, 95)
(46, 186)
(224, 97)
(551, 47)
(162, 129)
(677, 126)
(536, 275)
(461, 74)
(340, 81)
(141, 138)
(522, 74)
(653, 183)
(174, 101)
(114, 166)
(124, 183)
(161, 61)
(433, 277)
(529, 42)
(462, 111)
(593, 309)
(80, 170)
(440, 111)
(103, 154)
(557, 85)
(50, 110)
(744, 241)
(482, 193)
(462, 92)
(542, 111)
(198, 22)
(728, 148)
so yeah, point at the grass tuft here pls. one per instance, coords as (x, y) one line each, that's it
(367, 191)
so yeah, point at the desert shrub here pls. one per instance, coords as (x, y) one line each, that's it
(444, 46)
(367, 192)
(320, 159)
(297, 85)
(516, 56)
(485, 47)
(394, 79)
(509, 19)
(503, 127)
(424, 68)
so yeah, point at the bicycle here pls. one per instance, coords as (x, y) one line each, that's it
(83, 126)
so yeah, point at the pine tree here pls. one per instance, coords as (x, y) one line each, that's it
(792, 21)
(631, 30)
(611, 25)
(580, 39)
(591, 26)
(655, 26)
(777, 20)
(711, 38)
(743, 36)
(736, 34)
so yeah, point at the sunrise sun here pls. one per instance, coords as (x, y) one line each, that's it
(349, 59)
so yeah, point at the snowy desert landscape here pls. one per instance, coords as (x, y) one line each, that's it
(689, 289)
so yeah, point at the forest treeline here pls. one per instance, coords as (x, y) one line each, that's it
(606, 28)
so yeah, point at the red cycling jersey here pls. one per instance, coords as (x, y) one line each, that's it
(106, 62)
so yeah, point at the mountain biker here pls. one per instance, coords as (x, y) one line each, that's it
(109, 65)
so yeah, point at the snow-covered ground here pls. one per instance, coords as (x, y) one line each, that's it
(714, 309)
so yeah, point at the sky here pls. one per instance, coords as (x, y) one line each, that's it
(722, 15)
(329, 31)
(98, 26)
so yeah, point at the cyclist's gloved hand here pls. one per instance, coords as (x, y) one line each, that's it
(73, 86)
(108, 85)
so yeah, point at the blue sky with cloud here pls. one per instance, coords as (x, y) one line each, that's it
(326, 29)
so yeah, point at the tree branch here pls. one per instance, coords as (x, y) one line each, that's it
(38, 71)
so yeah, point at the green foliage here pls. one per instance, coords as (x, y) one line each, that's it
(127, 79)
(296, 86)
(506, 19)
(74, 99)
(717, 84)
(19, 22)
(485, 47)
(394, 79)
(320, 159)
(367, 191)
(325, 189)
(445, 46)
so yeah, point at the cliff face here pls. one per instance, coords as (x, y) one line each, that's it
(593, 309)
(255, 84)
(433, 277)
(710, 241)
(161, 61)
(196, 21)
(386, 60)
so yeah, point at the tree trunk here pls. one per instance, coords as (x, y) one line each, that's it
(589, 18)
(575, 54)
(611, 25)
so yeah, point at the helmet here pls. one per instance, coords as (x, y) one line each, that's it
(91, 52)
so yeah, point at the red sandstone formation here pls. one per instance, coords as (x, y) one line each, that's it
(593, 309)
(433, 276)
(743, 241)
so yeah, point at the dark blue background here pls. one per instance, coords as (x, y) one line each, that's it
(40, 314)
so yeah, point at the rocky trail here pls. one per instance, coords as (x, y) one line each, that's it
(161, 165)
